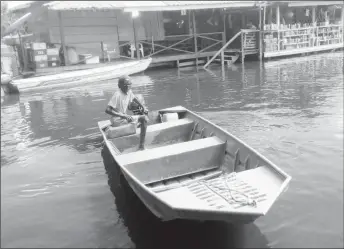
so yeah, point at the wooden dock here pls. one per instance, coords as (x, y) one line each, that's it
(180, 57)
(302, 50)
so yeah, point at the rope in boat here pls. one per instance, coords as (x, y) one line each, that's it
(248, 201)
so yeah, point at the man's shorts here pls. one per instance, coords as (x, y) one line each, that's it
(115, 121)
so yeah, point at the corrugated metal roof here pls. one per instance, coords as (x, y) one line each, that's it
(26, 5)
(13, 6)
(308, 3)
(313, 3)
(145, 5)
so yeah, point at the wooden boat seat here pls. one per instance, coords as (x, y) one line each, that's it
(174, 160)
(156, 134)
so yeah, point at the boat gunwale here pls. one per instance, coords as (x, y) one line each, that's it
(269, 163)
(80, 73)
(76, 81)
(178, 210)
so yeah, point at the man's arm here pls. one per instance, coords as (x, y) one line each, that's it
(113, 112)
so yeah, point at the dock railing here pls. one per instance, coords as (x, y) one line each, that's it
(179, 44)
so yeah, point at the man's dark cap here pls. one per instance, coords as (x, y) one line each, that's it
(124, 80)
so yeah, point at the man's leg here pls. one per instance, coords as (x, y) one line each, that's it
(142, 120)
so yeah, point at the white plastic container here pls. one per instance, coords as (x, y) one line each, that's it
(39, 58)
(38, 45)
(52, 51)
(167, 117)
(93, 60)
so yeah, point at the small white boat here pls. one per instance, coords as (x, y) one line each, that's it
(82, 77)
(192, 169)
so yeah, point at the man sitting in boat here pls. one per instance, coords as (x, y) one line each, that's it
(123, 101)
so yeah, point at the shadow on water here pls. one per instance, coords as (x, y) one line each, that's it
(10, 100)
(146, 230)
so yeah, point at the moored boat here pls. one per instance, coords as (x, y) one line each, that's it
(193, 169)
(82, 77)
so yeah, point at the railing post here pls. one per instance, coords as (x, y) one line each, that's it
(223, 39)
(153, 50)
(222, 58)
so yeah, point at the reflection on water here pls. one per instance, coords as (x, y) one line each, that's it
(59, 188)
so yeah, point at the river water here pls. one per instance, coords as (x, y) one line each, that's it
(58, 188)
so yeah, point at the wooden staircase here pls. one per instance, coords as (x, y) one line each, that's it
(249, 46)
(249, 43)
(230, 56)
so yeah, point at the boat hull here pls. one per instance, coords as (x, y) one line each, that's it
(169, 199)
(81, 77)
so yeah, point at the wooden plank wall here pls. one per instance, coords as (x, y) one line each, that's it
(153, 25)
(85, 30)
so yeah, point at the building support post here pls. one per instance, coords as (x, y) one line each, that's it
(314, 16)
(314, 25)
(278, 22)
(224, 36)
(278, 18)
(62, 38)
(263, 28)
(135, 41)
(260, 34)
(195, 36)
(342, 22)
(190, 22)
(270, 16)
(264, 17)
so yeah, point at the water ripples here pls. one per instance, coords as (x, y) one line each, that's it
(289, 110)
